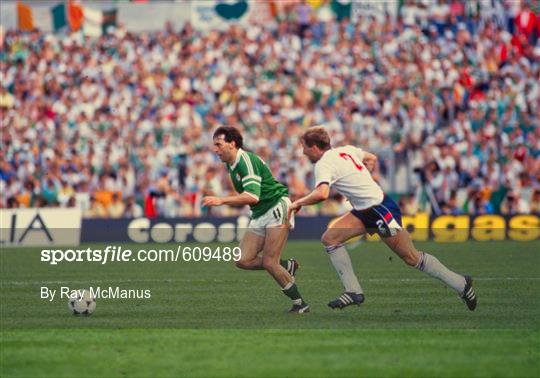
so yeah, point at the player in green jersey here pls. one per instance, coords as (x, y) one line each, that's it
(269, 226)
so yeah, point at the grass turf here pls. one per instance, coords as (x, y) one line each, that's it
(212, 319)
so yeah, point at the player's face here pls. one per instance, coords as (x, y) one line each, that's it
(223, 149)
(313, 153)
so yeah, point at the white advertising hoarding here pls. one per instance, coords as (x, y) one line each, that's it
(40, 227)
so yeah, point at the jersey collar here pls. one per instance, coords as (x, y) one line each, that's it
(238, 156)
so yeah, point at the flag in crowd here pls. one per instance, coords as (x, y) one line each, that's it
(70, 15)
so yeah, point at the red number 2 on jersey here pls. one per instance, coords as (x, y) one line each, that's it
(349, 157)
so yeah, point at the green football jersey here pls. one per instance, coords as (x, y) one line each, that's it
(250, 174)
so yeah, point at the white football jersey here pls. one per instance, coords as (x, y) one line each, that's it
(342, 169)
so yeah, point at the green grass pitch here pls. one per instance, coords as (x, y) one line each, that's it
(212, 319)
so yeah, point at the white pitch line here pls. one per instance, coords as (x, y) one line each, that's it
(31, 283)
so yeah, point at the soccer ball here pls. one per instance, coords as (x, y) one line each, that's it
(81, 302)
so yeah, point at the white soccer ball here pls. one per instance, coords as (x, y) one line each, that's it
(81, 302)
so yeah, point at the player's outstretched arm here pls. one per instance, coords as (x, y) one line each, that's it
(237, 200)
(319, 194)
(370, 161)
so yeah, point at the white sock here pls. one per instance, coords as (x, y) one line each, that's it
(288, 286)
(432, 266)
(342, 263)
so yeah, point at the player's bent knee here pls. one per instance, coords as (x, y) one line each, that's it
(243, 264)
(411, 259)
(270, 264)
(328, 240)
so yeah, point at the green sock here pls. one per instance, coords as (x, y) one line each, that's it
(284, 263)
(292, 292)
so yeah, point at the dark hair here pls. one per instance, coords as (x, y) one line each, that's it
(230, 134)
(317, 136)
(12, 203)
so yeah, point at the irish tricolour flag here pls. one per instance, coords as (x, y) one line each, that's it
(76, 16)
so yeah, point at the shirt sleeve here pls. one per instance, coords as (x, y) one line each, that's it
(323, 173)
(361, 154)
(251, 177)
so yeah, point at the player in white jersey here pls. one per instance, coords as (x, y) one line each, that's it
(348, 170)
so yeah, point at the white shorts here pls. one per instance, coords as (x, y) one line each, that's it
(275, 216)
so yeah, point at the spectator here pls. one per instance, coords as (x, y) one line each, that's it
(65, 194)
(482, 206)
(535, 201)
(514, 204)
(82, 196)
(453, 206)
(133, 210)
(149, 205)
(12, 203)
(303, 17)
(116, 208)
(525, 21)
(96, 210)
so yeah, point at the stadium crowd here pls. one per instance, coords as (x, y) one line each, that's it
(122, 125)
